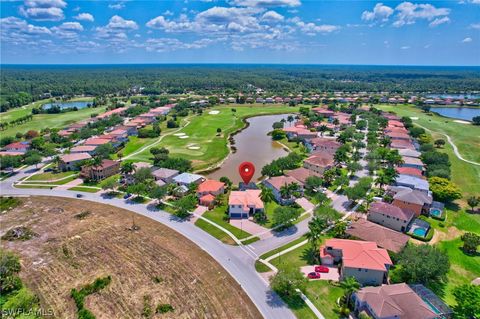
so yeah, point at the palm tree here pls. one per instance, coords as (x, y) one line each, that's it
(266, 195)
(127, 169)
(56, 161)
(382, 179)
(316, 226)
(290, 119)
(349, 285)
(285, 191)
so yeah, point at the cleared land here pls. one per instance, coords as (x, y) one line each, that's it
(154, 261)
(202, 133)
(466, 137)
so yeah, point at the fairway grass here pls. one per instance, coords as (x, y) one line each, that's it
(465, 136)
(61, 120)
(212, 148)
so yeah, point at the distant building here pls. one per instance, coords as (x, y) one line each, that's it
(70, 162)
(90, 149)
(243, 204)
(106, 169)
(18, 147)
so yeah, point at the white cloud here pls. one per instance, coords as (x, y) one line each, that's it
(272, 17)
(467, 40)
(405, 47)
(43, 10)
(439, 21)
(475, 25)
(169, 25)
(116, 29)
(168, 13)
(119, 23)
(408, 13)
(117, 6)
(311, 28)
(84, 17)
(45, 3)
(67, 30)
(18, 32)
(172, 44)
(380, 12)
(266, 3)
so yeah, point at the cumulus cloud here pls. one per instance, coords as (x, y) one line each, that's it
(43, 10)
(408, 13)
(475, 25)
(272, 17)
(467, 40)
(405, 47)
(439, 21)
(160, 22)
(172, 44)
(18, 32)
(84, 17)
(311, 28)
(266, 3)
(116, 29)
(117, 6)
(380, 12)
(67, 30)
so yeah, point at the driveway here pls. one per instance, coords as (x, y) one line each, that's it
(332, 274)
(251, 227)
(305, 204)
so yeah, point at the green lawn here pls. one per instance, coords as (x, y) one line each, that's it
(202, 132)
(49, 176)
(465, 136)
(41, 121)
(83, 189)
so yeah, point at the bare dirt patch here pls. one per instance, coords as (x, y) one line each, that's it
(151, 261)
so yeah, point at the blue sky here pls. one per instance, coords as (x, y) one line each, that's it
(241, 31)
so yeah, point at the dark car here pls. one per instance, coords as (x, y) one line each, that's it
(322, 269)
(126, 196)
(79, 195)
(313, 275)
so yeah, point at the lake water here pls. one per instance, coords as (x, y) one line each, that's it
(68, 105)
(453, 96)
(253, 145)
(461, 113)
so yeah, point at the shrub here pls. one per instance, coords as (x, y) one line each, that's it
(164, 308)
(80, 295)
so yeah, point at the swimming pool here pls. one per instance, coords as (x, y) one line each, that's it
(435, 212)
(420, 232)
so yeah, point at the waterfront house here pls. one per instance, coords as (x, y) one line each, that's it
(363, 260)
(301, 174)
(319, 162)
(243, 204)
(165, 174)
(277, 182)
(210, 187)
(323, 144)
(188, 178)
(390, 216)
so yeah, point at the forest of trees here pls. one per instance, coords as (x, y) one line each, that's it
(22, 84)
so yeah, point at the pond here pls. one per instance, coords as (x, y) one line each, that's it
(453, 96)
(68, 105)
(253, 145)
(461, 113)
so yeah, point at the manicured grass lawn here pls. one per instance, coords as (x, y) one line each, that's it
(101, 183)
(33, 186)
(202, 132)
(49, 176)
(83, 189)
(134, 143)
(463, 268)
(41, 121)
(465, 136)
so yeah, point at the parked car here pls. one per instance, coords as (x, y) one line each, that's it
(313, 275)
(322, 269)
(79, 195)
(126, 196)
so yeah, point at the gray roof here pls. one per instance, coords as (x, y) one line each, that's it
(391, 210)
(413, 182)
(187, 178)
(164, 173)
(412, 196)
(409, 153)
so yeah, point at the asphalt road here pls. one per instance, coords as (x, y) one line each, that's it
(239, 261)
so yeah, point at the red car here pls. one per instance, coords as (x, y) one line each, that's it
(313, 275)
(322, 269)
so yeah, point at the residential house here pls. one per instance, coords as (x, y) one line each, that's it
(106, 169)
(363, 260)
(70, 162)
(413, 183)
(277, 182)
(209, 190)
(326, 145)
(324, 112)
(243, 204)
(398, 136)
(187, 179)
(319, 162)
(400, 301)
(411, 199)
(395, 123)
(415, 172)
(90, 149)
(390, 216)
(165, 174)
(301, 174)
(409, 153)
(412, 162)
(95, 141)
(402, 144)
(118, 111)
(384, 237)
(18, 147)
(299, 132)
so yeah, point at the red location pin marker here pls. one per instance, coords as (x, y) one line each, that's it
(246, 170)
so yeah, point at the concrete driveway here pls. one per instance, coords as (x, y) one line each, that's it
(251, 227)
(332, 274)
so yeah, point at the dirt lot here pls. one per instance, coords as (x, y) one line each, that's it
(71, 252)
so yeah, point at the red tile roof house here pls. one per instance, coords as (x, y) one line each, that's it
(410, 171)
(299, 132)
(395, 129)
(411, 199)
(395, 123)
(277, 182)
(95, 141)
(390, 216)
(398, 136)
(243, 204)
(90, 149)
(69, 162)
(412, 162)
(384, 237)
(131, 130)
(360, 259)
(327, 145)
(118, 111)
(106, 169)
(323, 112)
(208, 190)
(402, 144)
(301, 174)
(20, 147)
(319, 162)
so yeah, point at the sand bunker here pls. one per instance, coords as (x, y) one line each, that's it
(184, 136)
(179, 134)
(214, 112)
(413, 118)
(193, 147)
(461, 122)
